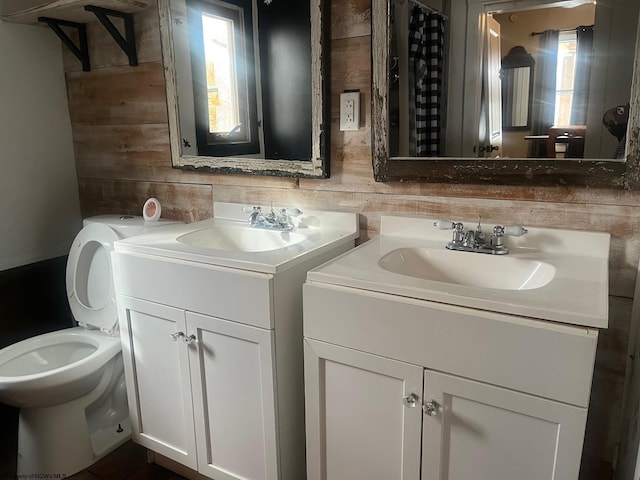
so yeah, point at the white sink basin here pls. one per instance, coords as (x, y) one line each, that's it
(228, 240)
(471, 269)
(549, 274)
(241, 238)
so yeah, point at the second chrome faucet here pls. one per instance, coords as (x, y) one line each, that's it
(475, 240)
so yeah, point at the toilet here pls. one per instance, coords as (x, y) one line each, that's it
(69, 384)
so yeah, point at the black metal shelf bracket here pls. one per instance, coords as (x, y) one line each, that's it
(128, 42)
(80, 51)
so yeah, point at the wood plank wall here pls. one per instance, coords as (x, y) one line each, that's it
(121, 141)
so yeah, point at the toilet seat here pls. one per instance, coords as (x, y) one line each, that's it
(89, 278)
(33, 379)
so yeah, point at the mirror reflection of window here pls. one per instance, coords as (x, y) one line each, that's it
(565, 75)
(224, 81)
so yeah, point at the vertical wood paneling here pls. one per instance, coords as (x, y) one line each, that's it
(122, 154)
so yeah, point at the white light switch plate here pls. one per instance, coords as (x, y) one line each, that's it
(349, 111)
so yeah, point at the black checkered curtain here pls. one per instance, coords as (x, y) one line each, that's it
(426, 43)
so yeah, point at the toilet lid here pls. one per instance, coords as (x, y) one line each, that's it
(90, 278)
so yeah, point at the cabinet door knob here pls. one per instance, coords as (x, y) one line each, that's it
(190, 339)
(410, 400)
(431, 408)
(176, 335)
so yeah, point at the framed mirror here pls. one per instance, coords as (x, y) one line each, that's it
(474, 159)
(245, 86)
(516, 75)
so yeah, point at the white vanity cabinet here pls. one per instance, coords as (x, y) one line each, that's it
(158, 379)
(408, 389)
(212, 340)
(204, 390)
(426, 363)
(357, 426)
(474, 430)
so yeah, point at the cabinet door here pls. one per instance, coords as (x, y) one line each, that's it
(233, 398)
(157, 378)
(478, 431)
(359, 425)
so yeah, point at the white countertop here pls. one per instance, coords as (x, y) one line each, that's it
(323, 231)
(578, 294)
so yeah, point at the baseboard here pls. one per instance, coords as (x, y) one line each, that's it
(175, 467)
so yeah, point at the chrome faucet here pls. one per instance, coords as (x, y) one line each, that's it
(280, 220)
(475, 240)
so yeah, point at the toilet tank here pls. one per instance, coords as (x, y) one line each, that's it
(128, 225)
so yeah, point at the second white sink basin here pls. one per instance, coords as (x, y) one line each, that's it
(549, 274)
(241, 238)
(471, 269)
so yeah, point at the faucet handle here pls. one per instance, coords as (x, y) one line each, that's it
(445, 224)
(515, 230)
(293, 212)
(457, 227)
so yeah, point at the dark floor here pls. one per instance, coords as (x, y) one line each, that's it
(127, 462)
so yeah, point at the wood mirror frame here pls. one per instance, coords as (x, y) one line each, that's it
(619, 174)
(316, 167)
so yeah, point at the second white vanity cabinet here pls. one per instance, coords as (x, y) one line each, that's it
(378, 418)
(212, 340)
(402, 387)
(412, 390)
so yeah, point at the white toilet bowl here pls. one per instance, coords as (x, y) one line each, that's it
(55, 367)
(69, 384)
